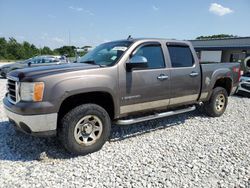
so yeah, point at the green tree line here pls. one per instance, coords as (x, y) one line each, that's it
(219, 36)
(11, 49)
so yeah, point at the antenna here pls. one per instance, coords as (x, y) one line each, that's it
(129, 37)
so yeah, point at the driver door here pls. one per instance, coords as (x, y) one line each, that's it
(148, 88)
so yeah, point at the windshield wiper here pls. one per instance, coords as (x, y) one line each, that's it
(89, 62)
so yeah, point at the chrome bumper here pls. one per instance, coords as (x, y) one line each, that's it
(240, 88)
(33, 123)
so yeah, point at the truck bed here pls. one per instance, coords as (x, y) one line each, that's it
(211, 70)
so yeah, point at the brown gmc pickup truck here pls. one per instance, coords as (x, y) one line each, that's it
(140, 78)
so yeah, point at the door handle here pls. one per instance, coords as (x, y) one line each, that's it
(162, 77)
(194, 74)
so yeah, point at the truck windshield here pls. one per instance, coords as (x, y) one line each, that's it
(106, 54)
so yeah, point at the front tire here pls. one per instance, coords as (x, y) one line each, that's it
(85, 129)
(217, 103)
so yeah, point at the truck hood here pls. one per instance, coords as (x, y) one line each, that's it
(29, 73)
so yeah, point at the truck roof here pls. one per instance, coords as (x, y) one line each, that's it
(155, 39)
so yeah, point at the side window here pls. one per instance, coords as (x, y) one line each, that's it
(180, 56)
(33, 61)
(154, 55)
(48, 60)
(37, 61)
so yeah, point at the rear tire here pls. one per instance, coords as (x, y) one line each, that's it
(217, 103)
(84, 129)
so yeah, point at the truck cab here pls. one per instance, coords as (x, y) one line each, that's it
(151, 86)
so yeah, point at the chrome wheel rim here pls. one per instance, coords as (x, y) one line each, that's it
(88, 130)
(220, 102)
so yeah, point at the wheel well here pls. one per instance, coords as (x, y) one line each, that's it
(103, 99)
(225, 83)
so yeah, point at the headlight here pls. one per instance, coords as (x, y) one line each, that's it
(31, 91)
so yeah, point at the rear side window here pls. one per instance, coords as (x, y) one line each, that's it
(37, 61)
(154, 55)
(180, 56)
(50, 60)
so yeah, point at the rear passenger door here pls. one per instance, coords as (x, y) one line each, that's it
(185, 75)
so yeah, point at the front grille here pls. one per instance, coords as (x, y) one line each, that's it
(245, 86)
(12, 89)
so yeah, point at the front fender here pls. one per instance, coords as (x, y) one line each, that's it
(79, 85)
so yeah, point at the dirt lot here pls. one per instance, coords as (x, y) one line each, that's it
(189, 150)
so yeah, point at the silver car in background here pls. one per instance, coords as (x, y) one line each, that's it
(244, 85)
(44, 60)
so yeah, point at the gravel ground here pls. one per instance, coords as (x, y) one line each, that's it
(189, 150)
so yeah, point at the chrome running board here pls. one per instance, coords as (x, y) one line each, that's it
(155, 116)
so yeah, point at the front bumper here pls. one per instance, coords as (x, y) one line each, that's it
(37, 125)
(244, 86)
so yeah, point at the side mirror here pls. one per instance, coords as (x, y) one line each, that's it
(137, 62)
(29, 64)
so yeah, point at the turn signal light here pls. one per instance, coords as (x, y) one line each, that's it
(38, 91)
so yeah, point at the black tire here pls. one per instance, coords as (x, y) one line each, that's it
(68, 126)
(212, 108)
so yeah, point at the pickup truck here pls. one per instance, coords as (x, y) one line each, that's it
(121, 82)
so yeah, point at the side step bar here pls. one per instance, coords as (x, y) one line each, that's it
(155, 116)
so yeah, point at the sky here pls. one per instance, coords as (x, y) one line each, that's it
(91, 22)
